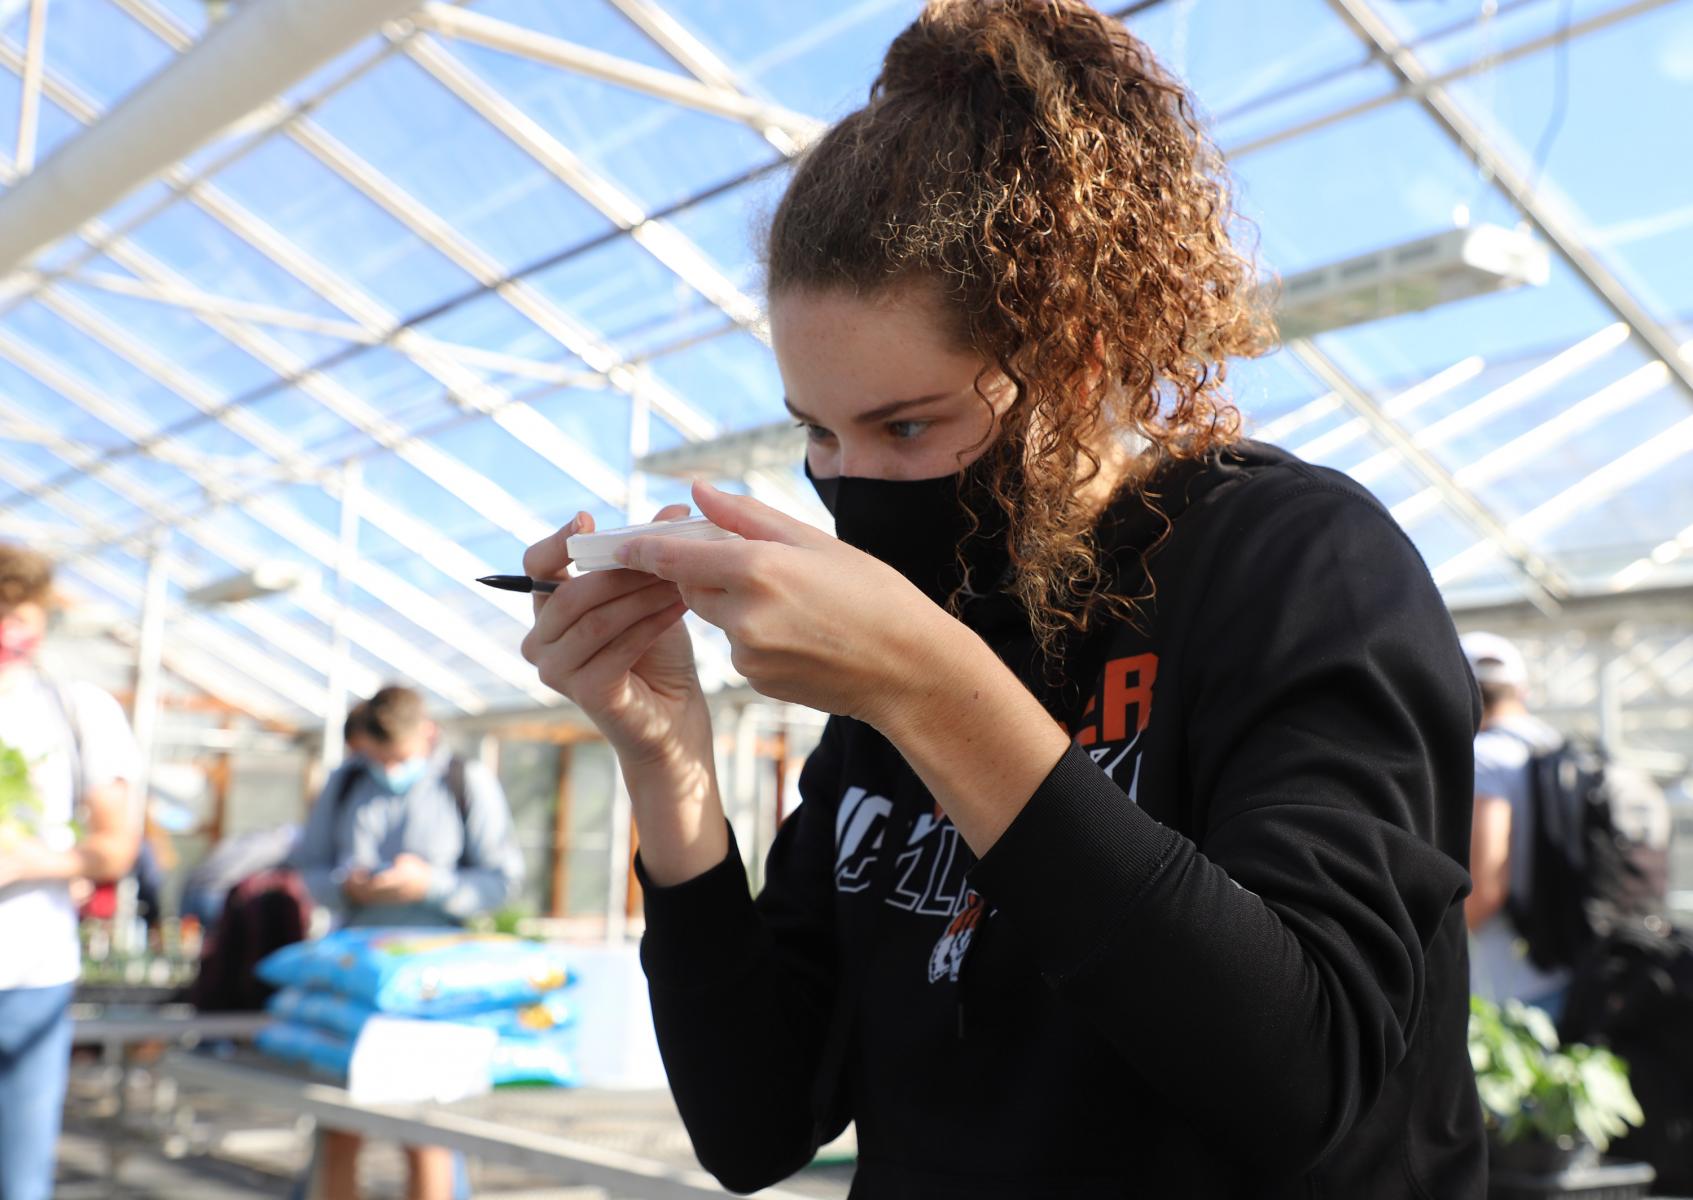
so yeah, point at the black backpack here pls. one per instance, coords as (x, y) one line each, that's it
(1633, 992)
(1599, 854)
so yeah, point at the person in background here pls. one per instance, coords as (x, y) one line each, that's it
(1510, 736)
(69, 760)
(404, 833)
(390, 843)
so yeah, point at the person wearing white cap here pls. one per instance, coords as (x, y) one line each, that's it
(1510, 736)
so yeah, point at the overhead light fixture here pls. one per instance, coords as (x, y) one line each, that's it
(265, 579)
(1411, 277)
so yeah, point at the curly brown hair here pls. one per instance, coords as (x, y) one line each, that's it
(26, 576)
(1035, 162)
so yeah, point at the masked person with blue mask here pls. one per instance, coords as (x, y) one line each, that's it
(1131, 861)
(404, 833)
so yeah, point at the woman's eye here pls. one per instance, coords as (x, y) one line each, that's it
(813, 433)
(904, 431)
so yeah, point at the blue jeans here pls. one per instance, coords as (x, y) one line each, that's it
(35, 1063)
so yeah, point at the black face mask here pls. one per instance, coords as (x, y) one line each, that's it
(917, 526)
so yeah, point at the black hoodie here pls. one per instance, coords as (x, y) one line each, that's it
(1220, 953)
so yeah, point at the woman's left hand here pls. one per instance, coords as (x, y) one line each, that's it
(809, 619)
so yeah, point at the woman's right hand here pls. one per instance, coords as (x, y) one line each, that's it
(614, 642)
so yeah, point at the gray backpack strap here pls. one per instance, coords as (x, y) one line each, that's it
(461, 800)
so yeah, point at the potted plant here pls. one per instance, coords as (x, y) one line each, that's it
(1550, 1110)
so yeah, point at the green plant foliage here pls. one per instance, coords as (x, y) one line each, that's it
(1532, 1089)
(509, 920)
(20, 805)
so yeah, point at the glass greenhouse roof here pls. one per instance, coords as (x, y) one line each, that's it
(470, 269)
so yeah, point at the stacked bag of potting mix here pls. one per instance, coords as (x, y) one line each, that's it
(330, 989)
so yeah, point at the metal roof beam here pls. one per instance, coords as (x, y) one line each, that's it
(662, 240)
(411, 603)
(237, 67)
(1662, 555)
(198, 302)
(272, 672)
(440, 235)
(1591, 611)
(1503, 399)
(676, 40)
(1559, 228)
(29, 96)
(522, 297)
(1607, 402)
(474, 488)
(1596, 487)
(1487, 62)
(1546, 585)
(1307, 413)
(375, 637)
(189, 664)
(526, 425)
(305, 694)
(301, 642)
(467, 25)
(672, 248)
(1395, 408)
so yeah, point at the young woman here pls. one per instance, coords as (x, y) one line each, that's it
(1130, 861)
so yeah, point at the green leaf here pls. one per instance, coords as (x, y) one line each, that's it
(20, 804)
(1530, 1088)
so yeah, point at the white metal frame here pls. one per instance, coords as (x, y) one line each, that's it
(1546, 585)
(715, 88)
(724, 101)
(236, 68)
(376, 637)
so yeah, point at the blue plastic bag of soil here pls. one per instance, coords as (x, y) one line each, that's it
(324, 1052)
(339, 1015)
(531, 1060)
(541, 1060)
(421, 972)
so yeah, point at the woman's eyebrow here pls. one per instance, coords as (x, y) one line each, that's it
(880, 413)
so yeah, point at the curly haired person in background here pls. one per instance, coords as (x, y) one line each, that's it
(1131, 860)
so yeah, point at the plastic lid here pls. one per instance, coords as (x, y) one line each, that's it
(597, 551)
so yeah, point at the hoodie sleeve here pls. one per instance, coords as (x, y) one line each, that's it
(1265, 976)
(742, 990)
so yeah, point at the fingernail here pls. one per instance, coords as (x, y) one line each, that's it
(622, 553)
